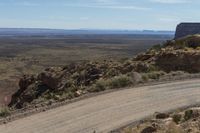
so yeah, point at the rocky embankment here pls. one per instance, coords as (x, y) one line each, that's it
(185, 121)
(182, 54)
(74, 80)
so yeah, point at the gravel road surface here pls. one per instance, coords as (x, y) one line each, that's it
(109, 111)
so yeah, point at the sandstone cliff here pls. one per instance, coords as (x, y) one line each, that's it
(185, 29)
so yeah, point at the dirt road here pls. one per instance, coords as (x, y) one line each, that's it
(109, 111)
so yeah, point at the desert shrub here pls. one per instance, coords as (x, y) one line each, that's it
(155, 74)
(180, 45)
(100, 85)
(70, 95)
(183, 43)
(75, 75)
(157, 47)
(4, 112)
(123, 60)
(49, 96)
(193, 42)
(177, 118)
(145, 77)
(177, 73)
(112, 72)
(198, 48)
(189, 41)
(119, 81)
(115, 82)
(152, 68)
(141, 67)
(168, 43)
(188, 114)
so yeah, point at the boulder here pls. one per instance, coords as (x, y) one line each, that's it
(48, 79)
(149, 129)
(24, 83)
(137, 77)
(192, 113)
(162, 116)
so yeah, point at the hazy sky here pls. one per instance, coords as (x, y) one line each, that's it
(98, 14)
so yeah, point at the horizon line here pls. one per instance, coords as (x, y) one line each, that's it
(86, 29)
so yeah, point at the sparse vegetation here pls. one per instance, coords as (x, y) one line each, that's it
(119, 81)
(177, 118)
(4, 112)
(145, 77)
(188, 114)
(113, 83)
(153, 75)
(100, 85)
(31, 55)
(76, 79)
(157, 47)
(79, 76)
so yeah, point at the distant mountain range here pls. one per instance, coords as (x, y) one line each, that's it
(41, 32)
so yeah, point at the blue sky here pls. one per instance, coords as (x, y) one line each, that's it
(98, 14)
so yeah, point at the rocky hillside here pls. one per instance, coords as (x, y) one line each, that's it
(74, 80)
(186, 121)
(182, 54)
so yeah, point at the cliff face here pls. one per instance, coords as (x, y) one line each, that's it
(185, 29)
(179, 60)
